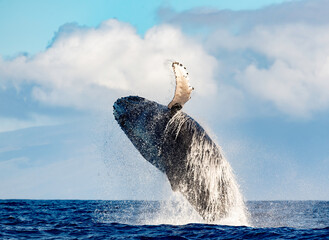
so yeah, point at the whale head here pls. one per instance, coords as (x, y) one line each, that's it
(144, 122)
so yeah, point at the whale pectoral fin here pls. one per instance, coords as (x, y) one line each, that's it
(183, 89)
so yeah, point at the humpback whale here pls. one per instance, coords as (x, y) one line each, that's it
(178, 146)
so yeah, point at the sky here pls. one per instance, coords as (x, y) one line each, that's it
(260, 70)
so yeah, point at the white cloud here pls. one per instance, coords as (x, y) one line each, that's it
(277, 55)
(285, 64)
(296, 80)
(85, 67)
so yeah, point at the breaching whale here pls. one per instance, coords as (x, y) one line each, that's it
(178, 146)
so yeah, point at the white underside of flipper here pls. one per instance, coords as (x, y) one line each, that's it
(183, 89)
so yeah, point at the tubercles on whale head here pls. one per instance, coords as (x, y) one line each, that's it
(144, 122)
(129, 107)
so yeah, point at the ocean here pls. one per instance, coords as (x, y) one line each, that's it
(99, 219)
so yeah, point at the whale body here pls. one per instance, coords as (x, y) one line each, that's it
(178, 146)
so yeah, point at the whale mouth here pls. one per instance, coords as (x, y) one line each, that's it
(116, 111)
(119, 112)
(123, 107)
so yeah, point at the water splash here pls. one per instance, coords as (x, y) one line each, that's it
(175, 210)
(209, 183)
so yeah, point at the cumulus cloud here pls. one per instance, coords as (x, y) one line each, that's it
(277, 55)
(297, 79)
(85, 67)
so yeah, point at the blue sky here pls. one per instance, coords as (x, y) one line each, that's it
(28, 26)
(259, 68)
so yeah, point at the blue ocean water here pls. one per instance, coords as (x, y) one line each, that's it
(80, 219)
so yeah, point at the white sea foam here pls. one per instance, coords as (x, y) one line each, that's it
(208, 169)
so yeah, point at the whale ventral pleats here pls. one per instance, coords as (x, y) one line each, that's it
(183, 89)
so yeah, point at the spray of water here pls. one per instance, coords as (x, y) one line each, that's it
(209, 184)
(212, 179)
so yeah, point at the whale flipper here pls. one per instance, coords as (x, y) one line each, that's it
(183, 89)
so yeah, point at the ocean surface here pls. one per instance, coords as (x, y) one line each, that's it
(80, 219)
